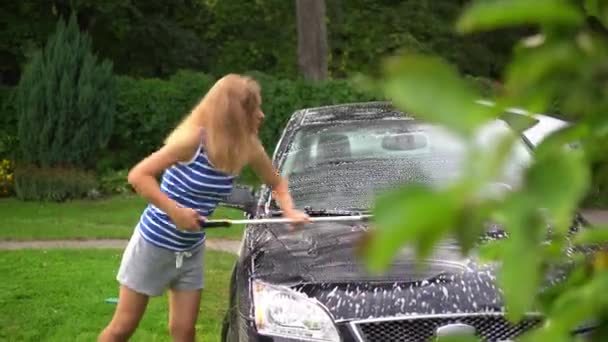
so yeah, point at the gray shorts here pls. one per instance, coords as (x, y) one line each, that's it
(150, 270)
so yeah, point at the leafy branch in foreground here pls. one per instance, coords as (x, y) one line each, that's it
(567, 61)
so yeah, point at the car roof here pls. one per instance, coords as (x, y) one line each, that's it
(545, 124)
(350, 112)
(385, 110)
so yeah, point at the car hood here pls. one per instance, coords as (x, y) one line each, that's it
(327, 252)
(321, 260)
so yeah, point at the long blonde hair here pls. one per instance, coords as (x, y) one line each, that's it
(227, 113)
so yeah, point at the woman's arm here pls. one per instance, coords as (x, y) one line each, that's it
(262, 165)
(143, 179)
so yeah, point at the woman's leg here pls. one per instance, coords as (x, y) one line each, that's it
(129, 311)
(184, 307)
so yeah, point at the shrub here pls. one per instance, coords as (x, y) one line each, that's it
(6, 178)
(148, 109)
(281, 97)
(8, 123)
(115, 182)
(65, 102)
(53, 183)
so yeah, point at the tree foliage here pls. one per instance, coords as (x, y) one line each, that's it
(566, 60)
(362, 30)
(155, 38)
(65, 102)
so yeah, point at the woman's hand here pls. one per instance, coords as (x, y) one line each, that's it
(143, 178)
(297, 216)
(262, 165)
(186, 219)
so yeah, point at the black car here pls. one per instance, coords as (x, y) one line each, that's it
(310, 285)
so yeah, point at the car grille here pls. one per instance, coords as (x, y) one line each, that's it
(487, 327)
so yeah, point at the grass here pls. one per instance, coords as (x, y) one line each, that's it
(58, 295)
(113, 218)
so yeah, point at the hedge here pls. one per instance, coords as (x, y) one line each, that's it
(147, 109)
(8, 123)
(56, 184)
(281, 97)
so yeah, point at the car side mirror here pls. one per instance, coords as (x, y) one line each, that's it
(242, 198)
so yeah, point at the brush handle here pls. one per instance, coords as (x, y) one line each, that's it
(216, 224)
(228, 223)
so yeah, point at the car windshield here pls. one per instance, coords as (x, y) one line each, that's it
(343, 166)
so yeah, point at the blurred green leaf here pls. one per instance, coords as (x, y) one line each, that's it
(492, 160)
(533, 64)
(414, 215)
(415, 82)
(471, 226)
(492, 251)
(546, 333)
(554, 249)
(561, 138)
(518, 122)
(594, 235)
(493, 14)
(572, 302)
(561, 70)
(576, 275)
(481, 170)
(519, 275)
(537, 75)
(547, 185)
(597, 9)
(593, 7)
(578, 305)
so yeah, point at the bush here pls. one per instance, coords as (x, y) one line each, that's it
(6, 178)
(115, 182)
(57, 184)
(148, 109)
(281, 97)
(65, 102)
(8, 123)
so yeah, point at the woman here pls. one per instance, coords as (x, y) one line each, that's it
(200, 158)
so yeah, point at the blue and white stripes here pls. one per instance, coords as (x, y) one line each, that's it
(197, 185)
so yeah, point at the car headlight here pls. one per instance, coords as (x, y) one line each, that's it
(280, 311)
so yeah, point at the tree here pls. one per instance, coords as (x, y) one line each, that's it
(565, 61)
(65, 102)
(312, 39)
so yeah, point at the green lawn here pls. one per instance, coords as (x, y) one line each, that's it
(59, 295)
(108, 218)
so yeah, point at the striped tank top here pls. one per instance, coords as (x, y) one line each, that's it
(195, 184)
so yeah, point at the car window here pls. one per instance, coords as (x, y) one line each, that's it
(342, 165)
(395, 139)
